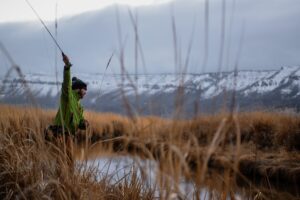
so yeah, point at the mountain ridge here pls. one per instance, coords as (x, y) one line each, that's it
(252, 88)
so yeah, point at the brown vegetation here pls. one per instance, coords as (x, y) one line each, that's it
(33, 169)
(248, 146)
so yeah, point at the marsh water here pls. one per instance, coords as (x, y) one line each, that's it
(117, 167)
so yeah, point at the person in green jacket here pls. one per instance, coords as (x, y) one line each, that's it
(69, 118)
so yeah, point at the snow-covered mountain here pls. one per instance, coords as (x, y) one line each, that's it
(162, 93)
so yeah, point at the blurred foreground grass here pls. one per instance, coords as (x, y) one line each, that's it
(243, 148)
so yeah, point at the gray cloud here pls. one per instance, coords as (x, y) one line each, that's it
(270, 40)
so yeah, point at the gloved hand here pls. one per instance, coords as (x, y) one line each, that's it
(66, 60)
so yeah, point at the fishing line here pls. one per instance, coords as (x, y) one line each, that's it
(37, 15)
(55, 41)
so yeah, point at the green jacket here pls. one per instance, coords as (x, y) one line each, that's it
(70, 112)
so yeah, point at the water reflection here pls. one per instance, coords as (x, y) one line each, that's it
(117, 166)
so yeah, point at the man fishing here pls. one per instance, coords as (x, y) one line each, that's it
(69, 119)
(70, 114)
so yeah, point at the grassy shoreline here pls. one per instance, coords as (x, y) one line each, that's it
(251, 146)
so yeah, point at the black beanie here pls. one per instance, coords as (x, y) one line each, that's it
(78, 84)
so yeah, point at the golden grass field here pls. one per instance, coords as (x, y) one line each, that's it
(255, 154)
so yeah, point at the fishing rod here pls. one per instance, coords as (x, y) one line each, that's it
(55, 41)
(38, 16)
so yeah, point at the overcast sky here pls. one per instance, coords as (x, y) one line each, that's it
(256, 34)
(18, 10)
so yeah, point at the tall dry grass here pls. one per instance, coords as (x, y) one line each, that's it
(251, 147)
(34, 169)
(255, 145)
(265, 130)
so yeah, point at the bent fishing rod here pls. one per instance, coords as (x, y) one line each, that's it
(55, 41)
(40, 19)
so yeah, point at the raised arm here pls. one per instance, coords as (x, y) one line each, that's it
(66, 85)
